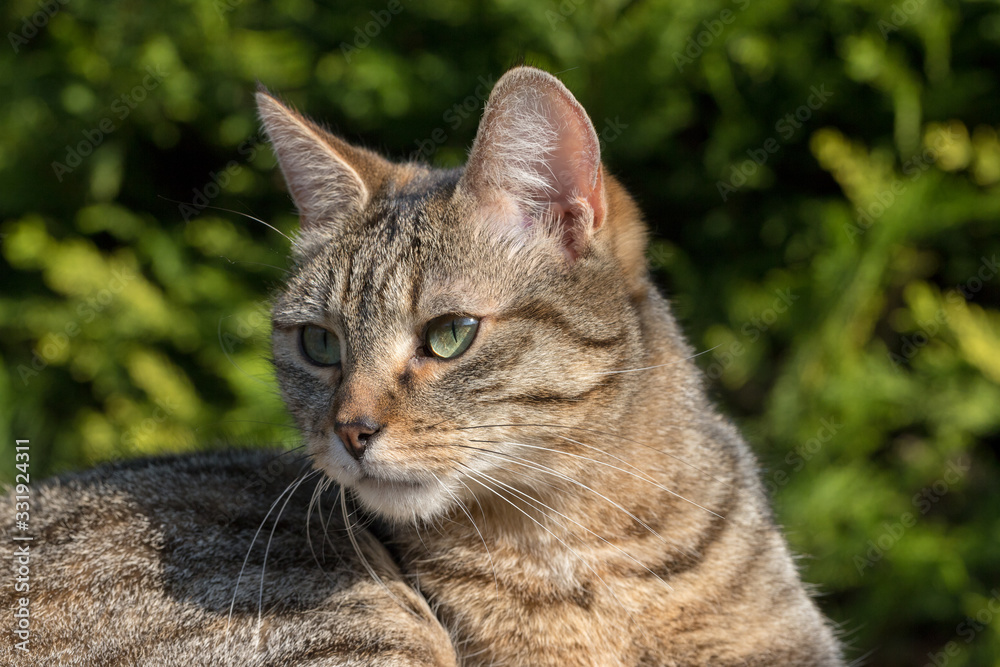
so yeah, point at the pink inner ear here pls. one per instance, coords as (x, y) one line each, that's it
(538, 146)
(574, 174)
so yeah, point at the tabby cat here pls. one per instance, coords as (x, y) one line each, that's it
(486, 379)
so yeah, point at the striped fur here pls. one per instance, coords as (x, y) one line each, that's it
(562, 493)
(159, 562)
(556, 504)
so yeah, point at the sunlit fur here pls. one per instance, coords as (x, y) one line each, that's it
(562, 492)
(227, 559)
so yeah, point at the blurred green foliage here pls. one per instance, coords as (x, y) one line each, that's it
(822, 179)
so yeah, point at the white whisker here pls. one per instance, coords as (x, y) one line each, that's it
(608, 465)
(473, 474)
(533, 500)
(361, 556)
(229, 358)
(243, 261)
(316, 501)
(232, 604)
(267, 548)
(649, 368)
(606, 433)
(245, 215)
(462, 506)
(549, 471)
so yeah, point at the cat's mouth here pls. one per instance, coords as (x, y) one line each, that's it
(382, 489)
(399, 499)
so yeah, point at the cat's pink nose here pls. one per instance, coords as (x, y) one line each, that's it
(355, 435)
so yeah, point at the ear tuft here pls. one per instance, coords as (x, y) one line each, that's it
(537, 146)
(329, 180)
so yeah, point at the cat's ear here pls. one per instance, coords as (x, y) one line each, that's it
(329, 180)
(537, 146)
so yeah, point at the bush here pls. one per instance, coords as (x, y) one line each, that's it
(822, 180)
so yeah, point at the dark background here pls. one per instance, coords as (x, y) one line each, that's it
(846, 287)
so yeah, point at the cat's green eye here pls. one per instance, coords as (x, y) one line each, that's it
(450, 335)
(320, 346)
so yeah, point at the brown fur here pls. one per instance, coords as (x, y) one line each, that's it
(557, 505)
(138, 564)
(562, 493)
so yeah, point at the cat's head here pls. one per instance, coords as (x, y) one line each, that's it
(443, 328)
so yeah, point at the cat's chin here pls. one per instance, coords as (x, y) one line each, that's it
(399, 501)
(394, 498)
